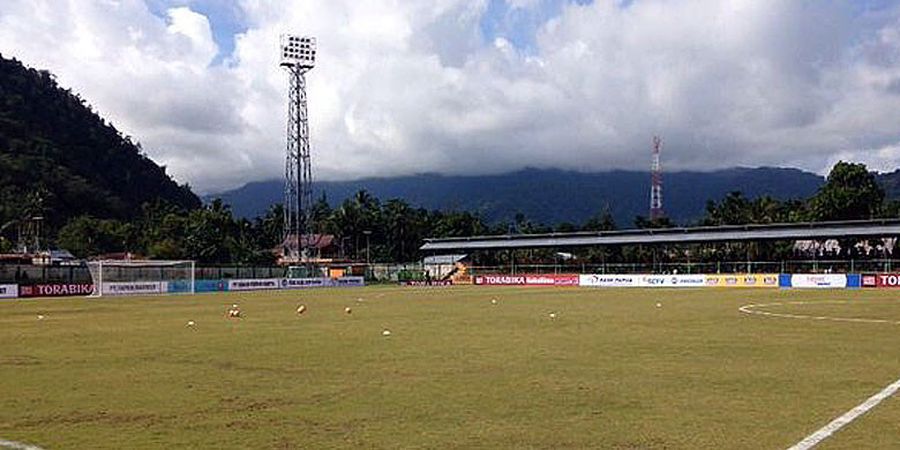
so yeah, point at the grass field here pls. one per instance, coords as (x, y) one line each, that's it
(611, 371)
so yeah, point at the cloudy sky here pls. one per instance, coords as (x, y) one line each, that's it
(480, 86)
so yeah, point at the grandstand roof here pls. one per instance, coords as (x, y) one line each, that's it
(731, 233)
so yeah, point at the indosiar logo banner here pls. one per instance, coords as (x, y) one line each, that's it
(682, 281)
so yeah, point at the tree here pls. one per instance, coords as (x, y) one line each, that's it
(659, 222)
(600, 222)
(86, 236)
(850, 193)
(210, 234)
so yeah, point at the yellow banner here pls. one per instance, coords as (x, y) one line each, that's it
(743, 280)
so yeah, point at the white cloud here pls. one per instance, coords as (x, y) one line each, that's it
(405, 87)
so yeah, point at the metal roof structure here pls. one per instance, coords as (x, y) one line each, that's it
(694, 235)
(443, 259)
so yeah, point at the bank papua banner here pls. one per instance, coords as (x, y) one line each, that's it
(527, 280)
(9, 290)
(305, 283)
(670, 281)
(595, 280)
(254, 284)
(350, 282)
(881, 280)
(743, 280)
(56, 290)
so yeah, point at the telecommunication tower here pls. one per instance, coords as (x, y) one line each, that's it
(298, 56)
(656, 205)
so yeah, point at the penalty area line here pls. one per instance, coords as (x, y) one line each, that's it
(17, 445)
(823, 433)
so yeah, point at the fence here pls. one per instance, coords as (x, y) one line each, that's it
(725, 267)
(26, 274)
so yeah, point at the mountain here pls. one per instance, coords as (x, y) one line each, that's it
(551, 196)
(59, 159)
(891, 183)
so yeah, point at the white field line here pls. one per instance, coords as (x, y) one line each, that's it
(18, 445)
(814, 439)
(751, 309)
(823, 433)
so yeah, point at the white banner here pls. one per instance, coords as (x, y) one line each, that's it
(819, 281)
(608, 280)
(642, 280)
(254, 284)
(672, 281)
(351, 281)
(303, 283)
(135, 288)
(9, 290)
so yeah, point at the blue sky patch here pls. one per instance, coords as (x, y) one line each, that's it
(225, 18)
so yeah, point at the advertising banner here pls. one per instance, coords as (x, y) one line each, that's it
(350, 281)
(500, 280)
(742, 280)
(305, 283)
(56, 290)
(551, 280)
(817, 281)
(671, 281)
(881, 280)
(9, 290)
(527, 280)
(254, 284)
(135, 288)
(422, 283)
(608, 280)
(210, 286)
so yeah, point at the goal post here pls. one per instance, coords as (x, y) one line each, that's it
(141, 277)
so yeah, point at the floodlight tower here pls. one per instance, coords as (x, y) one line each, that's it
(656, 206)
(298, 56)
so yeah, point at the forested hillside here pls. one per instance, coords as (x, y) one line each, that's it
(59, 159)
(550, 196)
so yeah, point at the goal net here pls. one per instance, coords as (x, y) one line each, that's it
(141, 277)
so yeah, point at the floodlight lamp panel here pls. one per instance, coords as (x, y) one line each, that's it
(298, 51)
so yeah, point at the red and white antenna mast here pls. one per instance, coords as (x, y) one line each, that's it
(656, 206)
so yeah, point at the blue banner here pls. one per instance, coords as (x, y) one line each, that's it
(210, 286)
(784, 280)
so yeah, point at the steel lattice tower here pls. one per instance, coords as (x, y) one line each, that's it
(656, 204)
(298, 55)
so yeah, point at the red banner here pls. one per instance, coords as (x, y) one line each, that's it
(56, 290)
(527, 280)
(881, 280)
